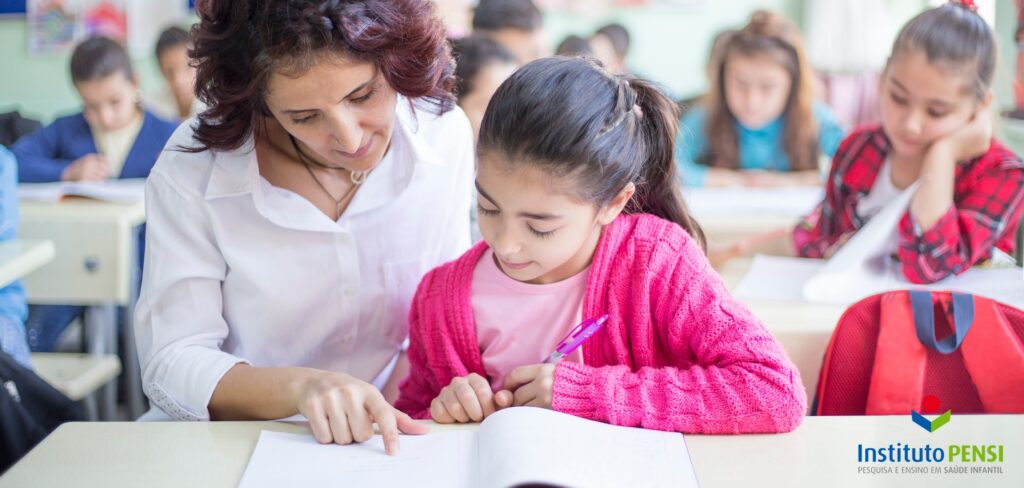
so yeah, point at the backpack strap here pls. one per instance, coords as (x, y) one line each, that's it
(923, 309)
(897, 376)
(994, 357)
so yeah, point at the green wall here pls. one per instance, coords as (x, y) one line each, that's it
(670, 45)
(40, 86)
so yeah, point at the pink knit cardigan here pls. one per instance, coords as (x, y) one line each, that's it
(678, 353)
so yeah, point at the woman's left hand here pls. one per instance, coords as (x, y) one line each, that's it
(531, 385)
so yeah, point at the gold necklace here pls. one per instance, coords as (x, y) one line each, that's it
(356, 177)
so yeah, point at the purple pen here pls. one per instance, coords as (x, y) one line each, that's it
(580, 333)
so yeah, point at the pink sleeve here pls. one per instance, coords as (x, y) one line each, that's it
(415, 392)
(721, 371)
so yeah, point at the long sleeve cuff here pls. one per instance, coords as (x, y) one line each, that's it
(182, 386)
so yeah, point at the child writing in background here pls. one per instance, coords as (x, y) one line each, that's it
(582, 216)
(113, 137)
(759, 124)
(936, 92)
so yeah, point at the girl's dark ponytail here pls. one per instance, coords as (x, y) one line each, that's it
(658, 190)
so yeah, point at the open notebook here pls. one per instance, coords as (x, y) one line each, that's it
(514, 446)
(117, 191)
(861, 269)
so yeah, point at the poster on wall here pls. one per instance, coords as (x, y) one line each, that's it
(54, 26)
(12, 7)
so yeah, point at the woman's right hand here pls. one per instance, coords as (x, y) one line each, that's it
(342, 409)
(91, 167)
(467, 399)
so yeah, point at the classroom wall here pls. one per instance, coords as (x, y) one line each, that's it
(670, 45)
(40, 86)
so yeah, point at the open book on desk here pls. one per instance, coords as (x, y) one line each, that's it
(862, 268)
(116, 191)
(513, 447)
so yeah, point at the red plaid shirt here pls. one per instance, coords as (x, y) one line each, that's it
(988, 200)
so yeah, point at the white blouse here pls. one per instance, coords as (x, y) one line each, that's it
(239, 271)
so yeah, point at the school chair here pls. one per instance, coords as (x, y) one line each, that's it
(78, 376)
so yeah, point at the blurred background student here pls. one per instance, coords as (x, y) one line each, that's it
(760, 124)
(515, 24)
(481, 64)
(178, 101)
(574, 45)
(611, 46)
(112, 137)
(13, 308)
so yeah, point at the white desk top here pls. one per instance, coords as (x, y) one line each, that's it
(21, 257)
(823, 451)
(83, 209)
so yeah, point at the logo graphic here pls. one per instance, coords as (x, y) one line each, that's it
(931, 405)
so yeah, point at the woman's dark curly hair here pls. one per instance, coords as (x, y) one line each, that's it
(239, 44)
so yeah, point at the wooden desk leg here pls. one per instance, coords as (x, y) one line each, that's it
(101, 329)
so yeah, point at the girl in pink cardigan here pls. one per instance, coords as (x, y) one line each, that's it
(581, 216)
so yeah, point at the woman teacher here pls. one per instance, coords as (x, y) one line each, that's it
(290, 223)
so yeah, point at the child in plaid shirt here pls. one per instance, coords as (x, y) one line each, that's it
(935, 128)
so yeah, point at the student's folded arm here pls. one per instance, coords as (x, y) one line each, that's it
(179, 320)
(419, 388)
(730, 376)
(967, 232)
(39, 157)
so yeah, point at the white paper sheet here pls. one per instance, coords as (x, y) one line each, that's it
(563, 450)
(513, 446)
(439, 460)
(862, 264)
(861, 268)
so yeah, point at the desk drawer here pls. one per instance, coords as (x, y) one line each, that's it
(93, 262)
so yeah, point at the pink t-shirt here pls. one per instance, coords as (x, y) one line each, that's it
(520, 323)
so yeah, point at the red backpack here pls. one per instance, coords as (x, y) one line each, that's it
(885, 356)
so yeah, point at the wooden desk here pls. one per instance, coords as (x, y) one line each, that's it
(804, 329)
(96, 266)
(20, 257)
(821, 452)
